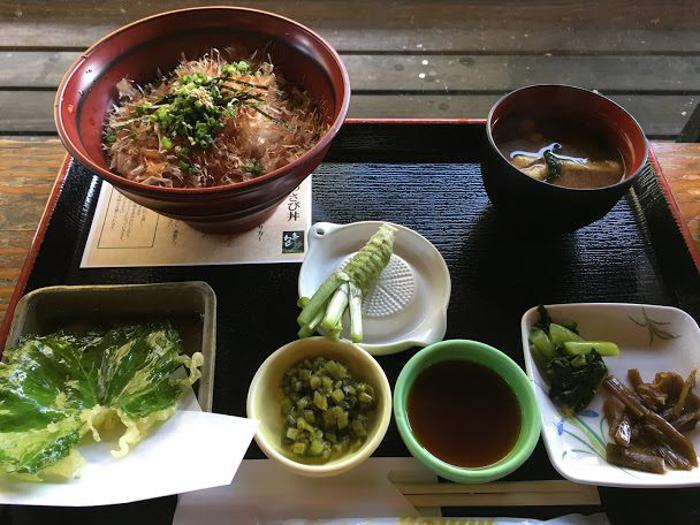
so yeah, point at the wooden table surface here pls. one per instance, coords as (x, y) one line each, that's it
(410, 58)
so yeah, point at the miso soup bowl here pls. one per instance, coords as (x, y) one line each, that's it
(542, 207)
(142, 49)
(508, 370)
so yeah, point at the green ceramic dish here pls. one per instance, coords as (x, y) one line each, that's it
(505, 367)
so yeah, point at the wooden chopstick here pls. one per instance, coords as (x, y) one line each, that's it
(500, 494)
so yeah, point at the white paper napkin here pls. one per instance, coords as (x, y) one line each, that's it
(193, 450)
(264, 491)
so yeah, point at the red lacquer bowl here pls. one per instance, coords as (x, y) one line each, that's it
(141, 49)
(540, 207)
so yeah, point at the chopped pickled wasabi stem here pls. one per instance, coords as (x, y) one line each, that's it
(286, 406)
(320, 401)
(336, 370)
(326, 382)
(329, 419)
(299, 448)
(316, 448)
(314, 382)
(338, 395)
(364, 397)
(359, 427)
(342, 420)
(303, 402)
(323, 410)
(309, 416)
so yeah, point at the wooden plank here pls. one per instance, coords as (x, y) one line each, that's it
(34, 69)
(507, 72)
(422, 25)
(26, 112)
(661, 116)
(37, 69)
(27, 171)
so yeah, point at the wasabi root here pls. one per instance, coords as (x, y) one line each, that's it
(346, 288)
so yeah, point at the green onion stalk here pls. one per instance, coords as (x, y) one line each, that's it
(345, 289)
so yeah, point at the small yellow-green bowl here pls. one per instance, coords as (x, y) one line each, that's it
(506, 368)
(265, 400)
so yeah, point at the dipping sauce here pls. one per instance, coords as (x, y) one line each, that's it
(573, 153)
(464, 413)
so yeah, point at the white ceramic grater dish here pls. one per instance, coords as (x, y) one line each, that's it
(408, 305)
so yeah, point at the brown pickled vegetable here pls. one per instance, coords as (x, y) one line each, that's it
(645, 422)
(634, 459)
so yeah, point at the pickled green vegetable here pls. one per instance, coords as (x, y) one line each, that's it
(559, 334)
(573, 366)
(326, 410)
(604, 348)
(541, 343)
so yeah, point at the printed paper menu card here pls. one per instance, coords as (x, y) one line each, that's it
(125, 234)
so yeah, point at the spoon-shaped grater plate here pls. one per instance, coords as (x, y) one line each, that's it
(408, 305)
(393, 292)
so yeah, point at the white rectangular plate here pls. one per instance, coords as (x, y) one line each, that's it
(652, 339)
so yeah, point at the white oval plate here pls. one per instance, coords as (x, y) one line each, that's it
(575, 444)
(408, 306)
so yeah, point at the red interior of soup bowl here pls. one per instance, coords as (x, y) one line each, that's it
(139, 51)
(615, 124)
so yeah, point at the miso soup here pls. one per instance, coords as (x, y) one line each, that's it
(573, 153)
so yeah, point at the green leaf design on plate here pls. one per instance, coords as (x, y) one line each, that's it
(54, 389)
(656, 328)
(589, 438)
(594, 443)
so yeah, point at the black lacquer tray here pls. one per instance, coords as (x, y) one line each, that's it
(425, 175)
